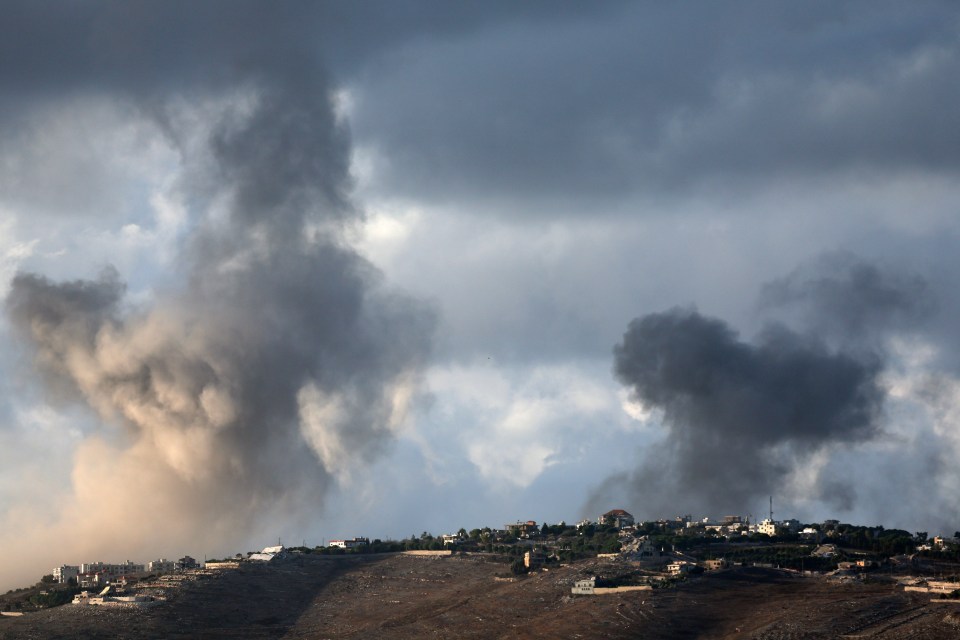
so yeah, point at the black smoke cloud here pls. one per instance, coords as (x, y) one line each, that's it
(281, 361)
(739, 416)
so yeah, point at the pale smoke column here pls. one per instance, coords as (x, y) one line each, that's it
(281, 362)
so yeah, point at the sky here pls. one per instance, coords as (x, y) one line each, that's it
(315, 270)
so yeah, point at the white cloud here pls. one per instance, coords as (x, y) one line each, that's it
(512, 424)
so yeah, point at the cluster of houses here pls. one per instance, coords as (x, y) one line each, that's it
(634, 545)
(729, 526)
(939, 543)
(91, 575)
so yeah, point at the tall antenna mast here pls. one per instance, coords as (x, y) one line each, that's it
(771, 508)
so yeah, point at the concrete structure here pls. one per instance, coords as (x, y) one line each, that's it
(268, 554)
(941, 542)
(617, 517)
(714, 565)
(603, 591)
(185, 563)
(97, 574)
(584, 587)
(680, 567)
(160, 566)
(349, 544)
(524, 529)
(588, 588)
(426, 553)
(768, 527)
(104, 598)
(452, 538)
(64, 573)
(641, 549)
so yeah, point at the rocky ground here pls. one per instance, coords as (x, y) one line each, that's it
(395, 596)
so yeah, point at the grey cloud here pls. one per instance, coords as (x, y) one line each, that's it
(656, 99)
(143, 54)
(568, 104)
(738, 415)
(844, 297)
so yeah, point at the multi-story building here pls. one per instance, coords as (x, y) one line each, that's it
(65, 573)
(160, 566)
(768, 527)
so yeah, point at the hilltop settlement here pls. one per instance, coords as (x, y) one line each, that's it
(651, 555)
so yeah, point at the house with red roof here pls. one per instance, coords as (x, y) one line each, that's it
(617, 517)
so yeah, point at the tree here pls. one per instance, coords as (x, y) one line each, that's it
(517, 567)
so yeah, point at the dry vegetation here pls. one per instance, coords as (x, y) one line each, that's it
(395, 596)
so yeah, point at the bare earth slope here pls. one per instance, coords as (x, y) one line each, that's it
(313, 597)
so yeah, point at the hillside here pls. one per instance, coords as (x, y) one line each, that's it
(396, 596)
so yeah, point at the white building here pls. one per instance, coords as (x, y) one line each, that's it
(160, 566)
(268, 554)
(64, 573)
(768, 527)
(584, 587)
(348, 544)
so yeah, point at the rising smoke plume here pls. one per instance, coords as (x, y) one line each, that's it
(740, 417)
(850, 301)
(280, 362)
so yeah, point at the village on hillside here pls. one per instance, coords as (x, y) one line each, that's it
(648, 555)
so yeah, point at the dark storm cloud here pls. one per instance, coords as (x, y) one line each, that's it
(739, 416)
(146, 54)
(49, 47)
(282, 359)
(547, 100)
(652, 98)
